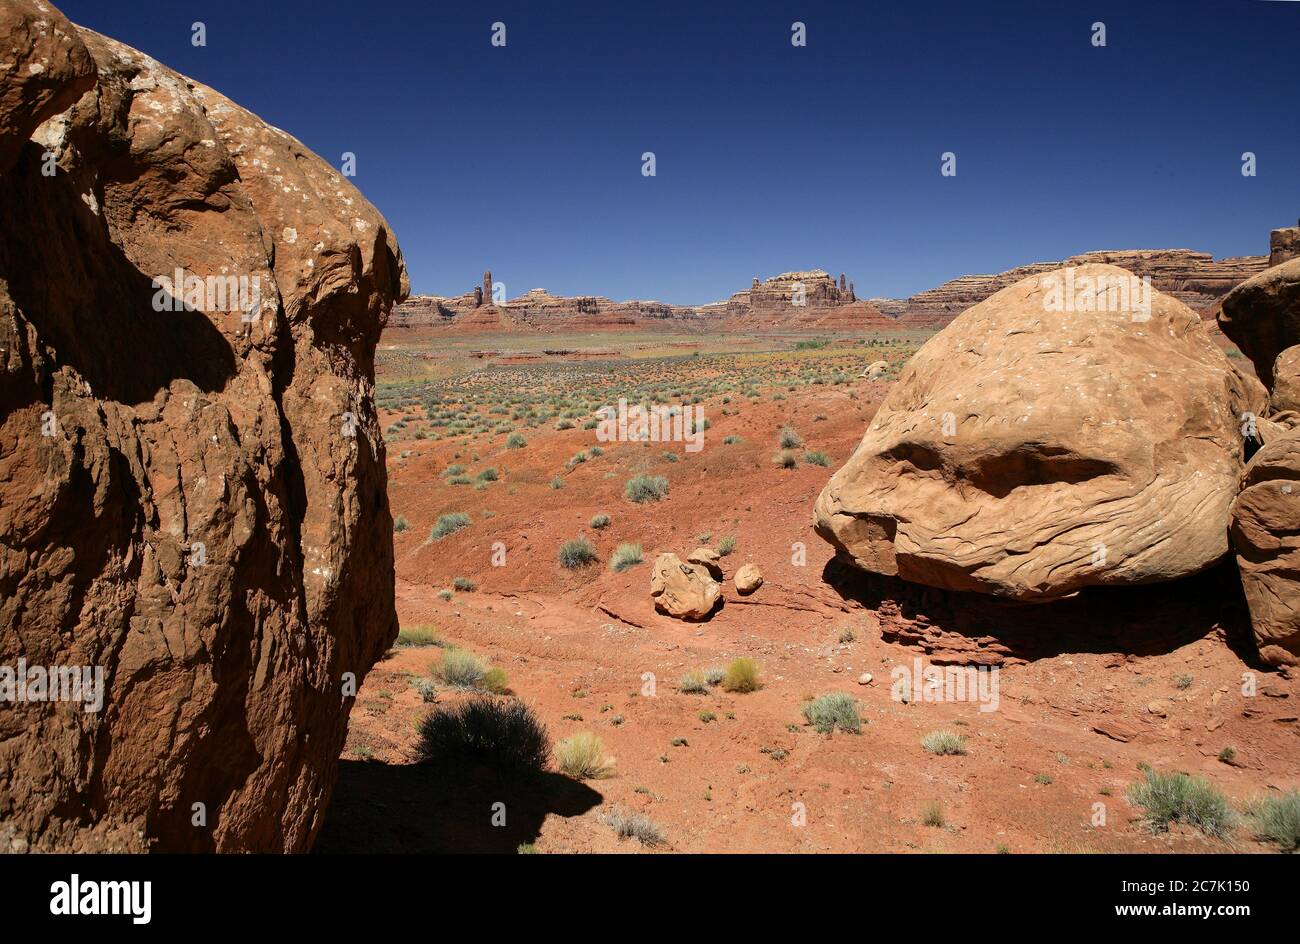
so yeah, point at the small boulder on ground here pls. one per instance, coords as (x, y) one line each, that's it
(707, 558)
(876, 369)
(683, 590)
(748, 579)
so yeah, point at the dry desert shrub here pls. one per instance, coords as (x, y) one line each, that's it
(583, 757)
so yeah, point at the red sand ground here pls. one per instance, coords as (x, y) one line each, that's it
(576, 644)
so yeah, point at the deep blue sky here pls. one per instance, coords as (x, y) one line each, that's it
(527, 159)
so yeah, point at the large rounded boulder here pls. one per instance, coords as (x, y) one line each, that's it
(1262, 315)
(196, 564)
(1266, 537)
(1075, 429)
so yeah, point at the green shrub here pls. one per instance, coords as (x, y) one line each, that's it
(577, 552)
(726, 545)
(502, 733)
(496, 681)
(449, 524)
(831, 711)
(460, 668)
(583, 757)
(487, 475)
(599, 521)
(516, 441)
(944, 742)
(741, 675)
(400, 524)
(625, 556)
(1277, 820)
(646, 488)
(464, 585)
(731, 440)
(1176, 797)
(816, 458)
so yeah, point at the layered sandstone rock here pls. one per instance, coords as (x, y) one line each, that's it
(194, 496)
(1266, 537)
(1262, 316)
(809, 299)
(1028, 451)
(1284, 245)
(1194, 278)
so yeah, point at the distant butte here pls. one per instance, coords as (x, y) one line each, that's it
(1196, 279)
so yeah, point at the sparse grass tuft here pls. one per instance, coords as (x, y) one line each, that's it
(789, 439)
(400, 524)
(599, 521)
(944, 742)
(583, 757)
(932, 814)
(516, 441)
(1277, 820)
(833, 710)
(726, 545)
(1177, 797)
(693, 683)
(816, 458)
(625, 556)
(464, 585)
(646, 488)
(462, 669)
(449, 524)
(577, 552)
(741, 676)
(634, 826)
(418, 636)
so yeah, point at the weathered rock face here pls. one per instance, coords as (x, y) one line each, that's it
(1028, 451)
(1262, 316)
(1266, 537)
(1286, 382)
(1284, 245)
(686, 591)
(1196, 279)
(194, 498)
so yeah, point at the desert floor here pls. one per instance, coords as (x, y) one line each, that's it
(1160, 683)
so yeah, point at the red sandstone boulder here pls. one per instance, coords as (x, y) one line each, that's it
(194, 498)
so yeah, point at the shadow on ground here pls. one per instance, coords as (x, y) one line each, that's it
(381, 807)
(971, 628)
